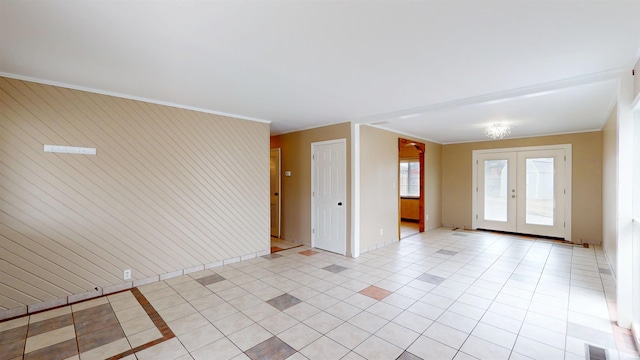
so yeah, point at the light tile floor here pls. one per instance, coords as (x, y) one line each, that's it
(441, 294)
(279, 244)
(408, 228)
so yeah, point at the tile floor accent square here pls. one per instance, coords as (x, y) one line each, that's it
(211, 279)
(99, 338)
(408, 356)
(447, 252)
(431, 279)
(335, 268)
(44, 326)
(284, 301)
(272, 256)
(308, 252)
(13, 349)
(271, 349)
(375, 292)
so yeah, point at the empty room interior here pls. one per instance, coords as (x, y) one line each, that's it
(320, 180)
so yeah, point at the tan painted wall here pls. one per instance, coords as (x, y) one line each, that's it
(586, 184)
(169, 189)
(296, 189)
(609, 188)
(379, 197)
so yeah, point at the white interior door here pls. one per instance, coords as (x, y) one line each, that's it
(274, 166)
(521, 191)
(328, 194)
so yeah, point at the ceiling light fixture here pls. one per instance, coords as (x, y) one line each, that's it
(497, 130)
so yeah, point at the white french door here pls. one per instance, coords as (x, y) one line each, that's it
(328, 196)
(522, 190)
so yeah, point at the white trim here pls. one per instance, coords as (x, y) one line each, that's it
(355, 190)
(131, 97)
(500, 96)
(567, 179)
(342, 141)
(310, 127)
(525, 137)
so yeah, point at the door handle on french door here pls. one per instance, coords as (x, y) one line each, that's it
(340, 203)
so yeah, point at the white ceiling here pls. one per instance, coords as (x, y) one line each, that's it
(439, 70)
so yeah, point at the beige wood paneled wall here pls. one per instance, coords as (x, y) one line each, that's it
(169, 189)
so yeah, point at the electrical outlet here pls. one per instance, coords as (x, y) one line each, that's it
(127, 274)
(426, 218)
(381, 231)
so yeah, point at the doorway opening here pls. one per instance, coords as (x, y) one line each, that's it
(410, 188)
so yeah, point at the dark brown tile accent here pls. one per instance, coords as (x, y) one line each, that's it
(270, 349)
(61, 350)
(335, 268)
(13, 349)
(95, 324)
(408, 356)
(157, 321)
(99, 338)
(90, 313)
(44, 326)
(211, 279)
(9, 336)
(432, 279)
(284, 301)
(375, 292)
(308, 252)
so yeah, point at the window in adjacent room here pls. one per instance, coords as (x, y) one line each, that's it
(410, 177)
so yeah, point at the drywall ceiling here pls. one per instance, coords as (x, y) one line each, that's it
(439, 70)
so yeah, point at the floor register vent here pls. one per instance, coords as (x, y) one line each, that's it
(595, 353)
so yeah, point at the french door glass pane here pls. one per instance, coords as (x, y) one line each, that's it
(540, 191)
(496, 190)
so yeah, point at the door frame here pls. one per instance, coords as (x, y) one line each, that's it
(342, 141)
(279, 190)
(421, 148)
(567, 180)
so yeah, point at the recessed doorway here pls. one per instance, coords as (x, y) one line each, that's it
(410, 187)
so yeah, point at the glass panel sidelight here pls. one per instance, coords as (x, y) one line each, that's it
(540, 202)
(496, 190)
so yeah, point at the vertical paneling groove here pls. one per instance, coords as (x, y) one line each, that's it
(169, 189)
